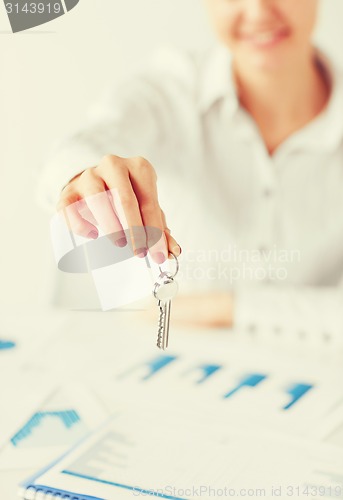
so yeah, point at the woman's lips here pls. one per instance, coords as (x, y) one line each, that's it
(265, 39)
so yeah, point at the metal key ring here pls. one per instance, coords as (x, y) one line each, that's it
(176, 264)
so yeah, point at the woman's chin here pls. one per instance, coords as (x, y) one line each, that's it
(269, 62)
(267, 65)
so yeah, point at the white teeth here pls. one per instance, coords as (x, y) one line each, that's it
(265, 37)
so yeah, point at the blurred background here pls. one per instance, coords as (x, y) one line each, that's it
(49, 77)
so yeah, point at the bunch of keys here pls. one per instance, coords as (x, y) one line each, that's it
(164, 291)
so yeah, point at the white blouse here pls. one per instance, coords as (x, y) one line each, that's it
(267, 228)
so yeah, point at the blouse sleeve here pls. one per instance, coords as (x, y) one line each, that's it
(129, 121)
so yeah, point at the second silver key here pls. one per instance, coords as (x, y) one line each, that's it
(164, 294)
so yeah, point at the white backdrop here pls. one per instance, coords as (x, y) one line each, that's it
(49, 75)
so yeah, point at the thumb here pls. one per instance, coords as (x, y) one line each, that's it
(173, 245)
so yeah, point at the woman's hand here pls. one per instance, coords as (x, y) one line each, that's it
(118, 194)
(207, 310)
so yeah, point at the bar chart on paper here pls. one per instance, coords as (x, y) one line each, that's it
(64, 418)
(256, 389)
(196, 373)
(50, 428)
(125, 457)
(6, 344)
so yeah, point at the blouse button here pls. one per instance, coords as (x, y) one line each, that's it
(267, 192)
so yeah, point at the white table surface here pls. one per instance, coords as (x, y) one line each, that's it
(64, 332)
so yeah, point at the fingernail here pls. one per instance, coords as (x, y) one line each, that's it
(93, 234)
(121, 242)
(177, 250)
(159, 257)
(141, 252)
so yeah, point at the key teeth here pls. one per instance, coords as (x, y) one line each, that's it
(159, 342)
(160, 329)
(164, 304)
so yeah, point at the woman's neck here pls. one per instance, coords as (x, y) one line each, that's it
(283, 101)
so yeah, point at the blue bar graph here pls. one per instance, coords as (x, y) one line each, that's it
(68, 418)
(198, 374)
(251, 380)
(206, 371)
(6, 344)
(297, 391)
(153, 366)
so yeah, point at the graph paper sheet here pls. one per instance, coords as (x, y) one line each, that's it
(52, 425)
(175, 456)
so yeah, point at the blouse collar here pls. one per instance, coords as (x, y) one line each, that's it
(325, 131)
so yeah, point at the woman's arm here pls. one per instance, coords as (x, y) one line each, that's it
(312, 315)
(128, 122)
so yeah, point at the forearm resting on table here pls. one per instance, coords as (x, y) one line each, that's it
(207, 310)
(298, 312)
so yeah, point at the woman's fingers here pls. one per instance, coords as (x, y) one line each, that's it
(143, 180)
(116, 174)
(96, 197)
(173, 245)
(85, 212)
(69, 205)
(120, 194)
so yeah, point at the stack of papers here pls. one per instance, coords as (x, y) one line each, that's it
(214, 411)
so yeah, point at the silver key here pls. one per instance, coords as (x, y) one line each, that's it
(164, 291)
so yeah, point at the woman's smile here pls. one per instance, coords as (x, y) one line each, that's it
(265, 39)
